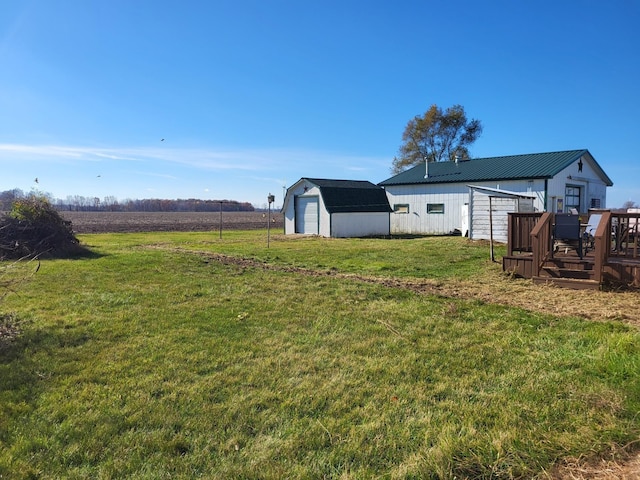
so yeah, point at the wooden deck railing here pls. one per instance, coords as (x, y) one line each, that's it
(615, 249)
(602, 245)
(519, 229)
(542, 241)
(625, 230)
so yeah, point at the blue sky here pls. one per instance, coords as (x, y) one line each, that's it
(249, 96)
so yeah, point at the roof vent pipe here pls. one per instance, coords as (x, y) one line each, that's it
(426, 167)
(456, 158)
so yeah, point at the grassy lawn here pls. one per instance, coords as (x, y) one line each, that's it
(159, 363)
(431, 257)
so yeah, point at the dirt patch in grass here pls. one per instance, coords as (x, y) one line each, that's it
(493, 287)
(9, 330)
(622, 469)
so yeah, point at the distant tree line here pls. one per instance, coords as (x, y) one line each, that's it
(79, 203)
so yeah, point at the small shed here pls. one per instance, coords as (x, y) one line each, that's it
(488, 211)
(336, 208)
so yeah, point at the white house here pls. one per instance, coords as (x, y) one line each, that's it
(336, 208)
(435, 198)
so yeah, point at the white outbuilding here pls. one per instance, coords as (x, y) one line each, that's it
(436, 198)
(336, 208)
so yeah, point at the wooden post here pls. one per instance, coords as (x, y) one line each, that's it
(493, 258)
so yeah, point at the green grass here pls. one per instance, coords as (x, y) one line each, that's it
(147, 363)
(431, 257)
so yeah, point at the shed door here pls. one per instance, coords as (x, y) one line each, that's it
(307, 215)
(464, 217)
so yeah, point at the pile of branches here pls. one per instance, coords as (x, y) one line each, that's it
(33, 228)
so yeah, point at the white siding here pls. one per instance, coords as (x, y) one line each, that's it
(526, 187)
(482, 221)
(325, 220)
(418, 221)
(591, 185)
(454, 196)
(361, 224)
(306, 190)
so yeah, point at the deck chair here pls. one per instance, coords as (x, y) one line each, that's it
(567, 227)
(589, 234)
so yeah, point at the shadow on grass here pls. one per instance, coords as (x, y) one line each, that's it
(81, 253)
(20, 375)
(75, 252)
(26, 366)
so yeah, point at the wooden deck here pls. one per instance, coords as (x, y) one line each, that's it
(612, 255)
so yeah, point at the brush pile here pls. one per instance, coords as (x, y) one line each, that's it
(33, 228)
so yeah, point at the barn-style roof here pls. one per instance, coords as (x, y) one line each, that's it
(512, 167)
(341, 196)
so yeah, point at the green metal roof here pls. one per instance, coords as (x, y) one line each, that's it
(512, 167)
(341, 196)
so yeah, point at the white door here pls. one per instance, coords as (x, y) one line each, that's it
(307, 215)
(464, 215)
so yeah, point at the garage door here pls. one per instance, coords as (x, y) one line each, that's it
(307, 215)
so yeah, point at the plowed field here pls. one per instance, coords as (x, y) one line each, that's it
(103, 222)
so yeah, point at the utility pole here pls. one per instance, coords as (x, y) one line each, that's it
(221, 220)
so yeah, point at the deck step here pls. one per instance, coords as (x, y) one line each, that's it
(575, 283)
(570, 273)
(570, 264)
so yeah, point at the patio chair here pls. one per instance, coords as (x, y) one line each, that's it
(588, 237)
(567, 228)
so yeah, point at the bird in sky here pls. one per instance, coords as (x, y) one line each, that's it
(162, 139)
(36, 180)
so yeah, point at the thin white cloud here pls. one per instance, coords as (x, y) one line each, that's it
(200, 158)
(54, 153)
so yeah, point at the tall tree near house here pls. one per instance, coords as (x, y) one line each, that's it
(436, 136)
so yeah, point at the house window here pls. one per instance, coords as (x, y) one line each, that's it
(435, 207)
(401, 208)
(571, 198)
(595, 203)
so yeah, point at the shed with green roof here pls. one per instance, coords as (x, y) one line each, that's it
(434, 198)
(336, 208)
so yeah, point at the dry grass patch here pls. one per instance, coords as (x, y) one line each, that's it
(624, 467)
(493, 286)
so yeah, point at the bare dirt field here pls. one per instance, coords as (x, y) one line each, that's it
(121, 222)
